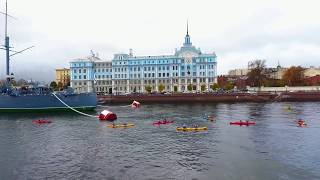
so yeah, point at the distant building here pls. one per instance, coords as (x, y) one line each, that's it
(188, 67)
(238, 72)
(82, 73)
(103, 76)
(272, 73)
(63, 76)
(312, 71)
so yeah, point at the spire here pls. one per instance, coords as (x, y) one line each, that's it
(187, 41)
(187, 28)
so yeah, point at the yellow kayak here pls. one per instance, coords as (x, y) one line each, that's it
(120, 125)
(192, 129)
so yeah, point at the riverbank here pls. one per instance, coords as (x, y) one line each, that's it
(211, 97)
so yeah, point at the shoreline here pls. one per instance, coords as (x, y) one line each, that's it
(212, 97)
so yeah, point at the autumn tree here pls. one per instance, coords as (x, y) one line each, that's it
(293, 76)
(215, 86)
(161, 87)
(257, 75)
(189, 87)
(148, 88)
(203, 87)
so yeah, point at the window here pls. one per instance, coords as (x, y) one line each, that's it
(74, 71)
(84, 76)
(84, 70)
(79, 70)
(159, 74)
(74, 77)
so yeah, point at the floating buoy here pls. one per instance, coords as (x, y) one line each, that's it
(135, 104)
(42, 121)
(106, 115)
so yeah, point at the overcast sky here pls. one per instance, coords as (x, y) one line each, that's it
(238, 31)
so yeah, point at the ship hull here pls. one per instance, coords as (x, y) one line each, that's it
(43, 103)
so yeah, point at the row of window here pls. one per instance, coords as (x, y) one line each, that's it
(80, 70)
(102, 76)
(80, 77)
(103, 70)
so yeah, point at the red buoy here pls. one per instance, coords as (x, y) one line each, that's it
(135, 104)
(107, 116)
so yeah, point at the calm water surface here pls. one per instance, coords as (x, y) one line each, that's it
(79, 147)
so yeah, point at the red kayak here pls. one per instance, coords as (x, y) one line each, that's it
(162, 122)
(42, 121)
(245, 123)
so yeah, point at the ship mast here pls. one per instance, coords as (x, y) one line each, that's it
(7, 46)
(6, 43)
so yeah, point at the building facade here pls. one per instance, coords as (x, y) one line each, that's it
(63, 77)
(188, 69)
(82, 73)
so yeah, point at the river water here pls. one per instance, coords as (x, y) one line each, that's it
(80, 147)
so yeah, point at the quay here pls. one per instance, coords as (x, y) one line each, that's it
(211, 97)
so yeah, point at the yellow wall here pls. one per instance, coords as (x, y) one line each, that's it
(63, 76)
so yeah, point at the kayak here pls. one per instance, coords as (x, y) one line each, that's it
(243, 123)
(120, 125)
(302, 124)
(192, 129)
(162, 122)
(42, 121)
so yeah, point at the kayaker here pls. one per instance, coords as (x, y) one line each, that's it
(196, 126)
(113, 125)
(184, 126)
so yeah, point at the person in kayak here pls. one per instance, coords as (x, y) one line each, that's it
(184, 126)
(113, 125)
(301, 122)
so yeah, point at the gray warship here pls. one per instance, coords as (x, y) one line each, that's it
(35, 98)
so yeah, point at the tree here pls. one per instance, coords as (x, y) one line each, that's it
(161, 87)
(203, 87)
(60, 86)
(53, 85)
(257, 75)
(229, 86)
(21, 82)
(215, 86)
(175, 88)
(293, 76)
(148, 88)
(189, 87)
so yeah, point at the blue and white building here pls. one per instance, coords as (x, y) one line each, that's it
(188, 69)
(91, 73)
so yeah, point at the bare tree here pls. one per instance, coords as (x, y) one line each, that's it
(257, 75)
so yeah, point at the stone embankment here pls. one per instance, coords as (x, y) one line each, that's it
(224, 97)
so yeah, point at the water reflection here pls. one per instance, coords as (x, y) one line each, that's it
(77, 147)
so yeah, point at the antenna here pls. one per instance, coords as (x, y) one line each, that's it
(6, 43)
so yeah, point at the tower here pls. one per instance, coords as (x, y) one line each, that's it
(187, 41)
